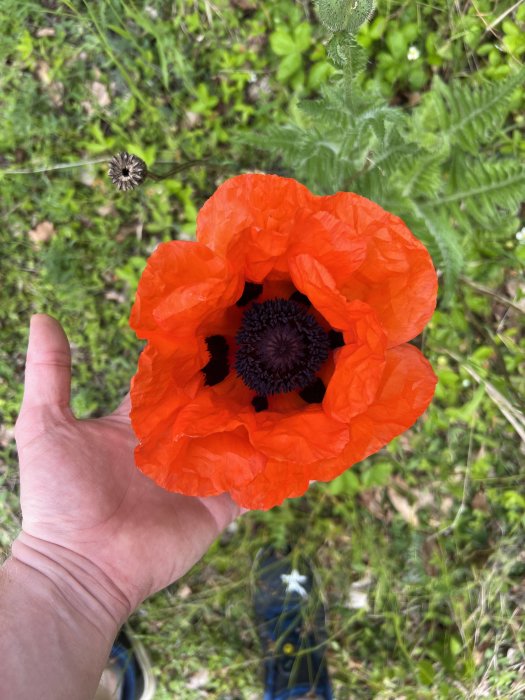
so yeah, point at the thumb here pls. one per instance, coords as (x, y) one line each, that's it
(48, 364)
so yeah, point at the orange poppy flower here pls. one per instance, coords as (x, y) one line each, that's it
(276, 349)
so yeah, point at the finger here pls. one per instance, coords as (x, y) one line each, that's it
(48, 364)
(124, 408)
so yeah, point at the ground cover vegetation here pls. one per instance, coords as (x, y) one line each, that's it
(419, 549)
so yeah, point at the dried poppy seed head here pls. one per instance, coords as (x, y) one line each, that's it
(127, 171)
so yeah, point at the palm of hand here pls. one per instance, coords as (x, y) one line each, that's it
(81, 490)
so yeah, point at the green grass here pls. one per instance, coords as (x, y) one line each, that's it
(435, 521)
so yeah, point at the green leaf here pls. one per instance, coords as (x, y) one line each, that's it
(377, 474)
(25, 45)
(426, 672)
(146, 153)
(456, 647)
(342, 50)
(361, 12)
(319, 74)
(334, 14)
(377, 27)
(467, 411)
(344, 15)
(303, 37)
(347, 483)
(410, 31)
(288, 66)
(397, 44)
(282, 43)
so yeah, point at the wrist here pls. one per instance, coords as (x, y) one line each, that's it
(69, 582)
(58, 622)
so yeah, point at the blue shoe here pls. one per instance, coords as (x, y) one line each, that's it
(128, 674)
(290, 618)
(122, 659)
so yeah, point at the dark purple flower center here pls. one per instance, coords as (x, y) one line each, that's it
(280, 347)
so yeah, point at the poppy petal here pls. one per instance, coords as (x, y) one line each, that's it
(313, 279)
(158, 458)
(166, 379)
(334, 243)
(397, 278)
(305, 436)
(215, 409)
(277, 481)
(406, 389)
(249, 219)
(204, 466)
(183, 283)
(359, 366)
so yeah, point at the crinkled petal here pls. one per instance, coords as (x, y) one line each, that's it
(303, 436)
(313, 279)
(205, 466)
(397, 278)
(359, 366)
(215, 409)
(170, 404)
(167, 378)
(183, 284)
(406, 389)
(249, 218)
(277, 481)
(159, 457)
(332, 242)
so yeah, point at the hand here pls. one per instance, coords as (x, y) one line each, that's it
(84, 501)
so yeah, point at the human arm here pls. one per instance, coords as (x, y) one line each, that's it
(97, 537)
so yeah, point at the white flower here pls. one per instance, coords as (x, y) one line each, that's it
(520, 236)
(293, 583)
(413, 53)
(151, 12)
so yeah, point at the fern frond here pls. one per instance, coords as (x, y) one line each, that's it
(327, 111)
(485, 190)
(390, 153)
(335, 142)
(287, 142)
(422, 175)
(444, 244)
(311, 156)
(469, 115)
(336, 104)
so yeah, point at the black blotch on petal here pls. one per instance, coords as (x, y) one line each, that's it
(335, 339)
(260, 403)
(301, 298)
(250, 292)
(314, 392)
(217, 368)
